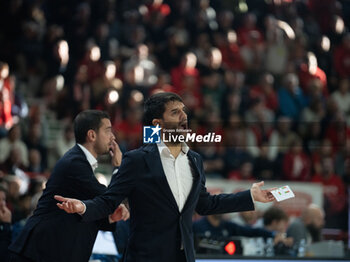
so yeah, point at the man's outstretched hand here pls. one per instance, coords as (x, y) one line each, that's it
(70, 205)
(120, 213)
(261, 195)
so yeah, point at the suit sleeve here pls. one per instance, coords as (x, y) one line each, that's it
(223, 203)
(121, 185)
(83, 179)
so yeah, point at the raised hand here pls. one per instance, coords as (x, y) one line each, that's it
(70, 205)
(116, 154)
(120, 213)
(261, 195)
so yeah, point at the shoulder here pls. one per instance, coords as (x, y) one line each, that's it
(73, 158)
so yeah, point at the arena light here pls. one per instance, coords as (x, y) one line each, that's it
(287, 29)
(113, 97)
(95, 53)
(59, 82)
(111, 69)
(339, 25)
(63, 51)
(230, 248)
(325, 43)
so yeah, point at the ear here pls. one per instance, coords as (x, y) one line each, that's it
(156, 121)
(91, 135)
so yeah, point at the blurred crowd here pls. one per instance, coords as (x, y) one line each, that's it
(272, 77)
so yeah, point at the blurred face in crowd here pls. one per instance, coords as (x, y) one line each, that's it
(2, 199)
(103, 137)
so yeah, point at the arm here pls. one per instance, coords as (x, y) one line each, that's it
(224, 203)
(101, 206)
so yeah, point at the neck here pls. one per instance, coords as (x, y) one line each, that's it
(90, 148)
(175, 148)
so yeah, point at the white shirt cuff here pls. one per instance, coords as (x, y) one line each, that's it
(83, 212)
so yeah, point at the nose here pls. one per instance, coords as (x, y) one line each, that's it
(183, 115)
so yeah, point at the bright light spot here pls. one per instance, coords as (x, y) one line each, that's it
(95, 53)
(59, 82)
(113, 97)
(111, 69)
(287, 29)
(339, 25)
(312, 63)
(137, 96)
(139, 74)
(191, 60)
(230, 248)
(5, 72)
(143, 10)
(232, 36)
(243, 7)
(325, 43)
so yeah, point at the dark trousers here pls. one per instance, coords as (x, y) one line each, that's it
(18, 258)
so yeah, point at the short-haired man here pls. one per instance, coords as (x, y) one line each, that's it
(73, 174)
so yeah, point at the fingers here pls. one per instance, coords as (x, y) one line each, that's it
(271, 189)
(260, 184)
(60, 198)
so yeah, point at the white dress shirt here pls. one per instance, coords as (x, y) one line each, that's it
(178, 173)
(90, 158)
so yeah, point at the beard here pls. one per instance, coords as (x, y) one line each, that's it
(315, 233)
(176, 130)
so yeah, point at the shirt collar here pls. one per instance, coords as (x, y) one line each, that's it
(164, 150)
(90, 158)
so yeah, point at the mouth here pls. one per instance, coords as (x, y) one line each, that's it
(183, 125)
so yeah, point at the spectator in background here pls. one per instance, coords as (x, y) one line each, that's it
(276, 220)
(296, 164)
(291, 97)
(341, 57)
(334, 194)
(5, 225)
(342, 97)
(309, 72)
(308, 226)
(264, 168)
(6, 98)
(65, 141)
(11, 141)
(281, 139)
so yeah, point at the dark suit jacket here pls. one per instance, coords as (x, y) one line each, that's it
(53, 235)
(157, 228)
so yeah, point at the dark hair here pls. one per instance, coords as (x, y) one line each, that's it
(155, 106)
(274, 213)
(86, 120)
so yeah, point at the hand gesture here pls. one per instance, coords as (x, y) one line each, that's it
(70, 205)
(121, 213)
(116, 154)
(260, 195)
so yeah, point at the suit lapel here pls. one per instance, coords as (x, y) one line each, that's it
(155, 165)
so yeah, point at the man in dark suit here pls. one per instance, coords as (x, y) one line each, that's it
(164, 184)
(49, 227)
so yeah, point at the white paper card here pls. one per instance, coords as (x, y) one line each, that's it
(283, 193)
